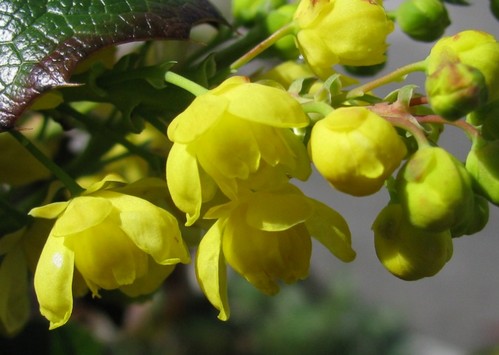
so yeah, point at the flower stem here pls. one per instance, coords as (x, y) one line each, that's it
(184, 83)
(67, 180)
(396, 75)
(317, 107)
(288, 29)
(471, 131)
(399, 117)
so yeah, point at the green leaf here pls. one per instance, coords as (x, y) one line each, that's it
(41, 41)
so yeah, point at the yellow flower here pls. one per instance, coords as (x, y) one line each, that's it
(348, 32)
(265, 237)
(225, 135)
(355, 150)
(108, 238)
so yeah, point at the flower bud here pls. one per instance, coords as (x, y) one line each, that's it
(487, 117)
(477, 49)
(249, 11)
(365, 70)
(476, 220)
(434, 190)
(355, 150)
(456, 89)
(348, 32)
(482, 164)
(423, 20)
(408, 252)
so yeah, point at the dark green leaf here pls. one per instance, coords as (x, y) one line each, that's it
(41, 41)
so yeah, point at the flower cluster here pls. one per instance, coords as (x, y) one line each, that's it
(231, 161)
(166, 175)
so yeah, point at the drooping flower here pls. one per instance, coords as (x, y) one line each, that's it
(107, 238)
(225, 135)
(265, 236)
(355, 150)
(348, 32)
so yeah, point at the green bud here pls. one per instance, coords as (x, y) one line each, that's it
(478, 218)
(366, 70)
(455, 89)
(247, 12)
(494, 8)
(434, 189)
(488, 118)
(408, 252)
(482, 164)
(423, 20)
(477, 49)
(286, 46)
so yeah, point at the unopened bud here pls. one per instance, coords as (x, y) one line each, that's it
(476, 220)
(347, 32)
(355, 150)
(482, 164)
(455, 89)
(249, 11)
(477, 49)
(488, 118)
(434, 189)
(423, 20)
(408, 252)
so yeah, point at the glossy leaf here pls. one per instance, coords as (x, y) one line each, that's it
(41, 41)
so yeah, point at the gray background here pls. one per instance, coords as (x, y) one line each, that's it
(458, 309)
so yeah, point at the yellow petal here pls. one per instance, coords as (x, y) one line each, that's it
(53, 279)
(210, 168)
(152, 229)
(229, 84)
(267, 105)
(106, 257)
(50, 211)
(232, 147)
(109, 181)
(82, 212)
(182, 176)
(150, 282)
(202, 113)
(264, 258)
(331, 230)
(277, 211)
(211, 270)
